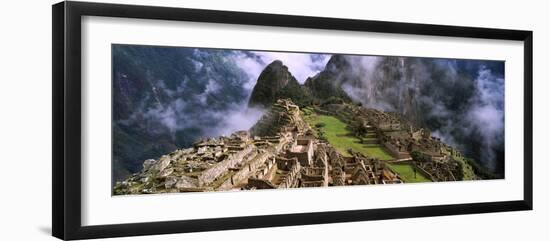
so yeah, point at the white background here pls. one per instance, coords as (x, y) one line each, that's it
(25, 126)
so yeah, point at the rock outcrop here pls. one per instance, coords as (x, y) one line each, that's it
(328, 83)
(283, 116)
(276, 82)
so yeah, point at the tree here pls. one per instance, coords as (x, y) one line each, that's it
(418, 156)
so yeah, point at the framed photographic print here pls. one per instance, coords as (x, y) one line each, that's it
(169, 120)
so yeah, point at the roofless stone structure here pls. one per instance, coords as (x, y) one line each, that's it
(278, 152)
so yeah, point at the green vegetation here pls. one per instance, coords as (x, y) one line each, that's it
(479, 170)
(333, 100)
(361, 131)
(375, 150)
(320, 125)
(336, 133)
(468, 171)
(464, 171)
(294, 91)
(370, 135)
(419, 157)
(307, 110)
(458, 172)
(406, 172)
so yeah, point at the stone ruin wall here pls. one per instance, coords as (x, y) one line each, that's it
(284, 139)
(209, 175)
(293, 175)
(395, 151)
(261, 183)
(251, 167)
(304, 157)
(268, 170)
(314, 177)
(246, 171)
(424, 172)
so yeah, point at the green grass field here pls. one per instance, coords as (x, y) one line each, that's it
(406, 172)
(341, 138)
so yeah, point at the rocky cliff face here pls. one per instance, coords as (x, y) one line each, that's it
(386, 83)
(165, 98)
(282, 115)
(461, 100)
(276, 82)
(328, 83)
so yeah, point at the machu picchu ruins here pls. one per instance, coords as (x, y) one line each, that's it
(322, 130)
(283, 151)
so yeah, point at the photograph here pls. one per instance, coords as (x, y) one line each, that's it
(281, 120)
(195, 119)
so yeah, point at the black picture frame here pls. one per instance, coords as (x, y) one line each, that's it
(66, 128)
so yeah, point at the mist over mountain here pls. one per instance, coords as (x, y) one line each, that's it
(276, 82)
(166, 98)
(461, 101)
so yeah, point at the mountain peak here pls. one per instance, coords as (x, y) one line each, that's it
(271, 84)
(277, 63)
(337, 63)
(328, 83)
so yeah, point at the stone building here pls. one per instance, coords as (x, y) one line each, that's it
(302, 149)
(280, 151)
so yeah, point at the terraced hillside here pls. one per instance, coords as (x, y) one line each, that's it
(338, 135)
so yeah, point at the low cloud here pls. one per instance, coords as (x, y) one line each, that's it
(486, 113)
(458, 107)
(239, 118)
(191, 110)
(300, 65)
